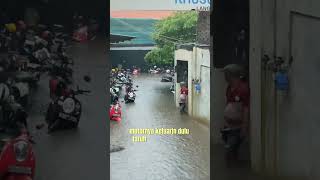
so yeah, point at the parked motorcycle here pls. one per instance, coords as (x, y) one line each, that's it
(166, 78)
(115, 112)
(17, 158)
(130, 97)
(13, 114)
(64, 112)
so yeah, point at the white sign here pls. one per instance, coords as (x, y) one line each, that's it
(160, 5)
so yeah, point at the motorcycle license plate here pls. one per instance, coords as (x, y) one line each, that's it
(67, 117)
(20, 170)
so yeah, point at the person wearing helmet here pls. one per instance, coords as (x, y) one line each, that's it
(236, 115)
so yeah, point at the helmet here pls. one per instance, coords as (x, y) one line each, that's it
(234, 70)
(11, 27)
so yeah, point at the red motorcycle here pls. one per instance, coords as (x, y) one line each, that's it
(17, 159)
(115, 112)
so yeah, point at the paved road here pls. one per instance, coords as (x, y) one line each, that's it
(180, 157)
(76, 154)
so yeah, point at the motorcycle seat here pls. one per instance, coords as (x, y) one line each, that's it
(23, 77)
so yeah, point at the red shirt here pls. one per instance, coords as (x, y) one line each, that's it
(240, 93)
(53, 85)
(184, 90)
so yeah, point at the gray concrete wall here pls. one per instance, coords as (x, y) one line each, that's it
(287, 145)
(203, 28)
(218, 98)
(201, 71)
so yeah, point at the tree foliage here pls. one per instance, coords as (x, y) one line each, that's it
(177, 29)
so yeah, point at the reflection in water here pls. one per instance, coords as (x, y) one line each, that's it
(162, 156)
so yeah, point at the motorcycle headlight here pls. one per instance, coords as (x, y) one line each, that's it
(68, 105)
(21, 150)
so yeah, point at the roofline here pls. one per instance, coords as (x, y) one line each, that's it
(112, 34)
(137, 48)
(189, 46)
(131, 45)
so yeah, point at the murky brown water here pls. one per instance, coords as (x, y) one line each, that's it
(162, 156)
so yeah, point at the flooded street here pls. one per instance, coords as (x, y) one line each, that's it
(66, 154)
(162, 156)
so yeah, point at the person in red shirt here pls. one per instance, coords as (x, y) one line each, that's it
(238, 99)
(58, 87)
(53, 83)
(184, 89)
(183, 97)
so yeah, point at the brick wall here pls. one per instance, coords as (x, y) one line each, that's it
(203, 28)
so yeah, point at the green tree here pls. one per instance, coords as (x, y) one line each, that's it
(176, 29)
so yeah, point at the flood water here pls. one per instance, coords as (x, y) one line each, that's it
(167, 156)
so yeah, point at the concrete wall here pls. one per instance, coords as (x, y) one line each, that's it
(218, 97)
(285, 125)
(201, 71)
(132, 57)
(203, 28)
(198, 68)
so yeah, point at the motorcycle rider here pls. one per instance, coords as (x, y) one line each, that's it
(236, 114)
(58, 87)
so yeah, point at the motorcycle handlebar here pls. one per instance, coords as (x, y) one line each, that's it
(83, 91)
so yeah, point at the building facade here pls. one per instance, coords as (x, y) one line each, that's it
(195, 60)
(192, 66)
(284, 126)
(288, 121)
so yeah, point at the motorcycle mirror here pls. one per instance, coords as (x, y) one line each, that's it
(87, 78)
